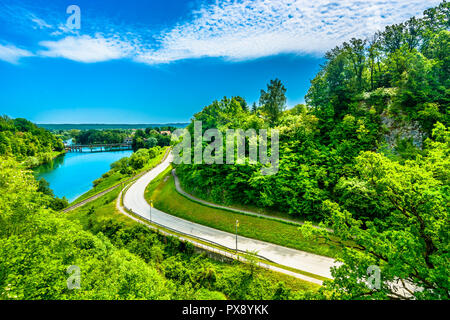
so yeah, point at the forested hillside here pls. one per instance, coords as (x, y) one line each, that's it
(27, 143)
(384, 95)
(368, 155)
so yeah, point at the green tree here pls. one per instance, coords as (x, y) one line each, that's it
(410, 242)
(273, 101)
(254, 107)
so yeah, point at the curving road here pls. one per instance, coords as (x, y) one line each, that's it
(134, 200)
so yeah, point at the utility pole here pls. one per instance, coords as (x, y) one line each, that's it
(151, 206)
(237, 225)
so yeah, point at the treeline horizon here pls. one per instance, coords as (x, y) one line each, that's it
(106, 126)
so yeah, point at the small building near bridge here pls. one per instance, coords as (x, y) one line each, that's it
(128, 140)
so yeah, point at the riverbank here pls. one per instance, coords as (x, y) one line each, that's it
(113, 178)
(71, 175)
(31, 163)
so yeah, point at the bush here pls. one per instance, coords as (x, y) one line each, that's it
(59, 204)
(96, 182)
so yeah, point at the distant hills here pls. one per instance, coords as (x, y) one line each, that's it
(99, 126)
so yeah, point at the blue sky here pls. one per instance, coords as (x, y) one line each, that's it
(141, 61)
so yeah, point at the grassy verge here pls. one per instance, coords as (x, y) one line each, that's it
(165, 197)
(103, 210)
(116, 178)
(41, 159)
(55, 154)
(239, 206)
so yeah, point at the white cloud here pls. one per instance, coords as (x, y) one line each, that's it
(86, 48)
(239, 30)
(40, 22)
(12, 54)
(230, 29)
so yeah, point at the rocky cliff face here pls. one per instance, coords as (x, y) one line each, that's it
(398, 129)
(396, 123)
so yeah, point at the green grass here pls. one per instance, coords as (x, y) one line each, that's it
(305, 273)
(117, 177)
(165, 197)
(292, 283)
(105, 209)
(55, 154)
(239, 206)
(111, 181)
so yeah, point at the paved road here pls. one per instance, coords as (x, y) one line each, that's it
(134, 200)
(215, 249)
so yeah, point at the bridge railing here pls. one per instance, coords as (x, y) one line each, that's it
(80, 147)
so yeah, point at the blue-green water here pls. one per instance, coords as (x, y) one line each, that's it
(71, 175)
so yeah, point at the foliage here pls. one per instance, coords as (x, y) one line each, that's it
(367, 155)
(117, 260)
(411, 56)
(38, 246)
(273, 101)
(23, 140)
(152, 137)
(410, 242)
(54, 203)
(384, 94)
(93, 136)
(194, 275)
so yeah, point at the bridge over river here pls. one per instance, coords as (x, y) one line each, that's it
(98, 147)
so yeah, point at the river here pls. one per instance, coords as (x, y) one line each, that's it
(71, 175)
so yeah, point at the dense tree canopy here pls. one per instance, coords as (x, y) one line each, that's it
(152, 137)
(410, 59)
(93, 136)
(408, 235)
(381, 95)
(23, 140)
